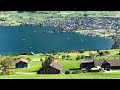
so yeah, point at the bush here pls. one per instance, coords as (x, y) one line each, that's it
(41, 60)
(76, 72)
(63, 56)
(82, 56)
(78, 57)
(54, 52)
(7, 72)
(29, 59)
(67, 72)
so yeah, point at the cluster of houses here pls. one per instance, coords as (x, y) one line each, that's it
(105, 64)
(50, 68)
(53, 67)
(79, 23)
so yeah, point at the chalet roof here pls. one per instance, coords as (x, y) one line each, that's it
(55, 60)
(56, 65)
(21, 59)
(114, 62)
(86, 61)
(98, 62)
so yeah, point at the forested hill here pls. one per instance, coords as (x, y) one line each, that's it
(68, 20)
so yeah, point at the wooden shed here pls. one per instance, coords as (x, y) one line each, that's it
(21, 63)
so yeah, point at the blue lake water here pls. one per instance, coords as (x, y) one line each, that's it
(18, 39)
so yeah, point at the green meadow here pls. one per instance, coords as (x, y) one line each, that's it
(68, 63)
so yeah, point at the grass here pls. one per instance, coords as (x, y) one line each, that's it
(95, 75)
(35, 64)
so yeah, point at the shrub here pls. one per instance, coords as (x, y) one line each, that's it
(29, 59)
(78, 57)
(54, 52)
(63, 56)
(41, 60)
(67, 72)
(82, 56)
(76, 72)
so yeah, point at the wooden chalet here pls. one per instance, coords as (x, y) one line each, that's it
(21, 63)
(87, 64)
(51, 68)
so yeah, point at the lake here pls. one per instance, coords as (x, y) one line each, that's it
(18, 39)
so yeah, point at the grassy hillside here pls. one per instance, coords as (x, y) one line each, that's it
(70, 63)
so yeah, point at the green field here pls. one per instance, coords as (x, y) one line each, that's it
(112, 75)
(71, 63)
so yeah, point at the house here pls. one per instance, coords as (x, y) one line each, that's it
(81, 51)
(87, 64)
(21, 63)
(51, 67)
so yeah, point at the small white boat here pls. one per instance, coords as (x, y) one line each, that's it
(23, 39)
(81, 40)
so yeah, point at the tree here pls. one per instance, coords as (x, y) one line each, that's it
(82, 56)
(78, 57)
(54, 52)
(119, 53)
(41, 60)
(63, 56)
(68, 56)
(98, 51)
(6, 64)
(29, 59)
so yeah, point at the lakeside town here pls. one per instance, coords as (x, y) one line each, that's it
(69, 64)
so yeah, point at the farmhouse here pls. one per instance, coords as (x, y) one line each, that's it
(51, 67)
(21, 63)
(106, 64)
(102, 64)
(87, 64)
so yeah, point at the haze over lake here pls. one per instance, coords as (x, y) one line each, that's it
(18, 39)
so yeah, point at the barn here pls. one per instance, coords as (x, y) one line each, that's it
(21, 63)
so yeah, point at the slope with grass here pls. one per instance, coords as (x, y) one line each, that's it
(68, 64)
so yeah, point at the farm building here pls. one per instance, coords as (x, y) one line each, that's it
(102, 64)
(21, 63)
(106, 64)
(51, 67)
(87, 64)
